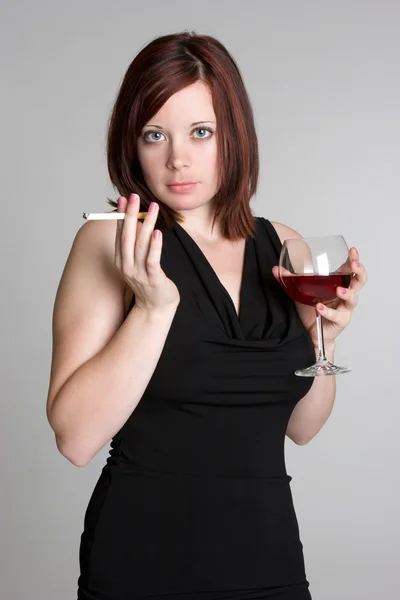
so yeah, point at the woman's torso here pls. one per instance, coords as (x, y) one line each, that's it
(195, 495)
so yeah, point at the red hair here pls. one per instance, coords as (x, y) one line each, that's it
(165, 66)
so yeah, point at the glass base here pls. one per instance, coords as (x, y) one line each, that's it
(322, 367)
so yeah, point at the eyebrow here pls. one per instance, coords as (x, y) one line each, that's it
(192, 124)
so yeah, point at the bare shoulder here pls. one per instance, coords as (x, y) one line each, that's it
(98, 236)
(101, 235)
(88, 307)
(101, 231)
(284, 231)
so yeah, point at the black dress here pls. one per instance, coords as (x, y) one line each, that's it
(194, 501)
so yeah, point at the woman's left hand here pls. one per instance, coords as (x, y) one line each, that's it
(338, 315)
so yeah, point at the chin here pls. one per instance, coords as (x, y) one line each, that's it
(188, 203)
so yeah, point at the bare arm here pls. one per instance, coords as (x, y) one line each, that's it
(314, 409)
(101, 363)
(96, 401)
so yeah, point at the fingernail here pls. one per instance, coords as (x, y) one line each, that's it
(151, 207)
(321, 307)
(358, 264)
(120, 201)
(132, 198)
(343, 290)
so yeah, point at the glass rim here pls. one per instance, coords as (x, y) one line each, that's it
(315, 237)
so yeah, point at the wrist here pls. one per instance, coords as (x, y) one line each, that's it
(157, 313)
(329, 350)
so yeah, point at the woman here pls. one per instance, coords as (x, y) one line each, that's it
(173, 338)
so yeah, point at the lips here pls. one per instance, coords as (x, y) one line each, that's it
(177, 183)
(181, 187)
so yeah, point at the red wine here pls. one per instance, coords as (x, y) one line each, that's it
(311, 289)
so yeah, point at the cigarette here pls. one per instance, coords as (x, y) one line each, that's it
(111, 216)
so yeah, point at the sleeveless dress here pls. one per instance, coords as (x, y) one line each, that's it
(194, 501)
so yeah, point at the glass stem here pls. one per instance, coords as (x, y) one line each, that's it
(321, 345)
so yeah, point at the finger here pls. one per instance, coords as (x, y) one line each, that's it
(354, 253)
(279, 272)
(144, 236)
(128, 233)
(275, 272)
(341, 318)
(283, 271)
(347, 295)
(153, 266)
(360, 278)
(118, 252)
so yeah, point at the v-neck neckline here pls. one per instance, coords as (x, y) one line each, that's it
(238, 314)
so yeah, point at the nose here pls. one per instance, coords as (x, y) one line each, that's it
(178, 156)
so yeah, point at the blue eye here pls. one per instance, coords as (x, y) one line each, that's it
(206, 129)
(152, 140)
(152, 133)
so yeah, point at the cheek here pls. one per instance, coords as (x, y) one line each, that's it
(208, 158)
(148, 163)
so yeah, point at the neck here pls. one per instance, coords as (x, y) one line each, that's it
(198, 224)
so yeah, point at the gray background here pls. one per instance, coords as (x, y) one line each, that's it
(324, 81)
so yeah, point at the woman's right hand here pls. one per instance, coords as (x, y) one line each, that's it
(137, 257)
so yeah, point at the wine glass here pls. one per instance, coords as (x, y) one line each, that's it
(310, 270)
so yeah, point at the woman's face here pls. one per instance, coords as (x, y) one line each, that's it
(179, 144)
